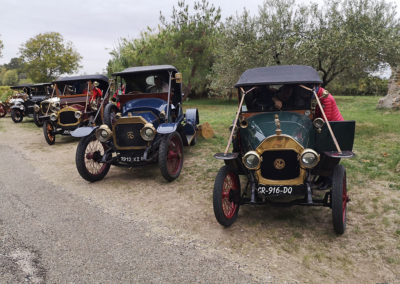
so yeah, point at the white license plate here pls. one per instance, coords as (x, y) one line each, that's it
(131, 159)
(269, 190)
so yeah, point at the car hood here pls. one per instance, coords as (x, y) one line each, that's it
(262, 125)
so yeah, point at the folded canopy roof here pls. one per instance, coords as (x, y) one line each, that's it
(279, 74)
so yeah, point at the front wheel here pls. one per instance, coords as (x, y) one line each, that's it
(339, 199)
(48, 132)
(2, 110)
(226, 196)
(38, 121)
(16, 115)
(89, 153)
(170, 156)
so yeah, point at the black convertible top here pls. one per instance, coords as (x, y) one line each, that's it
(41, 84)
(151, 68)
(96, 77)
(279, 74)
(21, 86)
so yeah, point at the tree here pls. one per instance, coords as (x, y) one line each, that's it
(1, 47)
(48, 56)
(10, 78)
(186, 41)
(351, 38)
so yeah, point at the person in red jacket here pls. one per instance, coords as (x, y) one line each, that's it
(96, 92)
(329, 105)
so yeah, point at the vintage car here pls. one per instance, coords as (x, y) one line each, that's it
(72, 104)
(20, 92)
(148, 126)
(285, 157)
(28, 96)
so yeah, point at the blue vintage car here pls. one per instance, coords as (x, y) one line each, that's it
(146, 124)
(288, 156)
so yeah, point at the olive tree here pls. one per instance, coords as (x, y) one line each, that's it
(48, 56)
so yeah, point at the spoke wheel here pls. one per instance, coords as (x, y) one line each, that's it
(226, 196)
(38, 121)
(170, 157)
(16, 115)
(110, 112)
(48, 132)
(339, 199)
(2, 110)
(89, 153)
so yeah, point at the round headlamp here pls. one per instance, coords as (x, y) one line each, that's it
(36, 108)
(103, 133)
(251, 160)
(78, 114)
(148, 132)
(318, 122)
(309, 159)
(53, 117)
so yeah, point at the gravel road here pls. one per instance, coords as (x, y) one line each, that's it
(49, 235)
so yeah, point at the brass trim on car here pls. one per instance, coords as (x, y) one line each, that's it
(275, 143)
(128, 120)
(65, 109)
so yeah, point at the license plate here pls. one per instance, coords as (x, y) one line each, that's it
(131, 159)
(67, 132)
(272, 190)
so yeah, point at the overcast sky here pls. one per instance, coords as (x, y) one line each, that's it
(94, 27)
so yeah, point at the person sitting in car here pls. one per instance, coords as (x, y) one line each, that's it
(159, 86)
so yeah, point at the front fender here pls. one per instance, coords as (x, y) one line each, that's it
(83, 131)
(167, 128)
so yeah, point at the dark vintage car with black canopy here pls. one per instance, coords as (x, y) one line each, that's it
(145, 125)
(73, 103)
(23, 104)
(285, 156)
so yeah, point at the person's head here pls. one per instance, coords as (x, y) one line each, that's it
(96, 84)
(285, 92)
(157, 81)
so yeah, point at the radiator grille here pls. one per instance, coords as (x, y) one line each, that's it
(291, 167)
(68, 117)
(128, 135)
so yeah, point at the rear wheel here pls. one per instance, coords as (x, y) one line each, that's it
(226, 196)
(38, 121)
(339, 199)
(88, 156)
(2, 110)
(170, 156)
(110, 112)
(16, 115)
(48, 132)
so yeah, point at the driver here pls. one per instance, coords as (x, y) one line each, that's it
(282, 97)
(159, 86)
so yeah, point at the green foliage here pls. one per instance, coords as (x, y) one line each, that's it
(368, 86)
(10, 77)
(186, 41)
(48, 56)
(1, 47)
(5, 92)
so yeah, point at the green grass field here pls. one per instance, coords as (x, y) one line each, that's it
(376, 142)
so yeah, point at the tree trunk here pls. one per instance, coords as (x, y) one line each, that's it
(392, 99)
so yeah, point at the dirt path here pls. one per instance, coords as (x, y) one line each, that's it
(273, 244)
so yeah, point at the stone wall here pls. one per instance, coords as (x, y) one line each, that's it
(392, 99)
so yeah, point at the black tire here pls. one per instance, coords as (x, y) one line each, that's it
(339, 199)
(109, 114)
(170, 156)
(226, 203)
(85, 158)
(3, 111)
(16, 115)
(194, 140)
(48, 132)
(38, 121)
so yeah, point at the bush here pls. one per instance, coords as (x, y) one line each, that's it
(5, 92)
